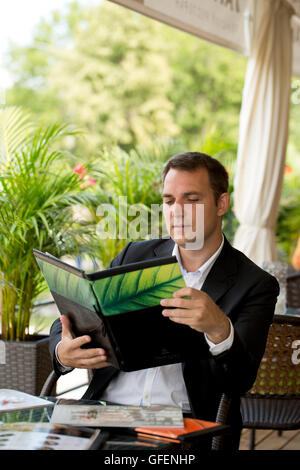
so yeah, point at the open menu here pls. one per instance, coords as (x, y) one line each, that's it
(126, 416)
(13, 400)
(46, 436)
(119, 308)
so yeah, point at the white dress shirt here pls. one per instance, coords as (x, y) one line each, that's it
(163, 385)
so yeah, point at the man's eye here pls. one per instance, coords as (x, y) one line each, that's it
(193, 200)
(168, 202)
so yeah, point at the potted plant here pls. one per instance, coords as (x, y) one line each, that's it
(132, 178)
(38, 192)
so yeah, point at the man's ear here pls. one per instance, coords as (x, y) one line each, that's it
(223, 204)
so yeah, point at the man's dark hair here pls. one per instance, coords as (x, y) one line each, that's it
(190, 161)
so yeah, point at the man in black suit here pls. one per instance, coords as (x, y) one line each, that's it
(229, 301)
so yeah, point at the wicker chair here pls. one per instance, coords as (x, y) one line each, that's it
(274, 400)
(293, 290)
(218, 442)
(49, 387)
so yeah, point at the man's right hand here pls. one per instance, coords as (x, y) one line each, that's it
(71, 354)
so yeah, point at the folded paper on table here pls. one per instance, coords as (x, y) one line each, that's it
(11, 400)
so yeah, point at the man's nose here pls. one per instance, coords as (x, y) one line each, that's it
(177, 210)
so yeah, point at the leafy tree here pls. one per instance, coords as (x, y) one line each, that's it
(117, 66)
(125, 78)
(207, 88)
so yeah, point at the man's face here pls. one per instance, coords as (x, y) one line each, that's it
(184, 193)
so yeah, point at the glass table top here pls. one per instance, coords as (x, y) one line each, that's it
(111, 439)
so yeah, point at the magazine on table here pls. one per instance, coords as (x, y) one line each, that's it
(13, 400)
(126, 416)
(46, 436)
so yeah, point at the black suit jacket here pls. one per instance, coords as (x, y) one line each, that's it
(244, 292)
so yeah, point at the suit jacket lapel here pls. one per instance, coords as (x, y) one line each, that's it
(165, 248)
(221, 276)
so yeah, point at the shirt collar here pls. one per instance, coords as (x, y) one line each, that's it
(206, 266)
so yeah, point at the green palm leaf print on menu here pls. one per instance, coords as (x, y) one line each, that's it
(139, 289)
(67, 284)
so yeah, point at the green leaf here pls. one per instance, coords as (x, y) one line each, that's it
(138, 289)
(67, 284)
(14, 129)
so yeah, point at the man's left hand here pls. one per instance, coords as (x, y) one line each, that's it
(199, 312)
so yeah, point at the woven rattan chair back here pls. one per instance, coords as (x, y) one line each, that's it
(279, 371)
(293, 290)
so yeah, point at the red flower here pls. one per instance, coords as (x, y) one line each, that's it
(296, 256)
(92, 181)
(288, 169)
(80, 170)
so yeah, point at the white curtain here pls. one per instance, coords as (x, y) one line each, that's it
(263, 132)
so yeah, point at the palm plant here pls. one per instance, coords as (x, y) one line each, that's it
(134, 175)
(37, 192)
(216, 144)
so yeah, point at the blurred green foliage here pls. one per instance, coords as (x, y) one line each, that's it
(288, 223)
(124, 79)
(128, 81)
(129, 183)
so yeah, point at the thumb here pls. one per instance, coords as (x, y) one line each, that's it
(66, 327)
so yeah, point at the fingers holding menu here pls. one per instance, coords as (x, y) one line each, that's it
(71, 354)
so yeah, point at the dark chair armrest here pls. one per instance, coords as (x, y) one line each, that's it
(49, 384)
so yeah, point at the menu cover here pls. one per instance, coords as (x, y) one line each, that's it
(13, 400)
(192, 428)
(125, 416)
(46, 436)
(119, 308)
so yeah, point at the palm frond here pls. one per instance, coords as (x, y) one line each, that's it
(38, 192)
(15, 128)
